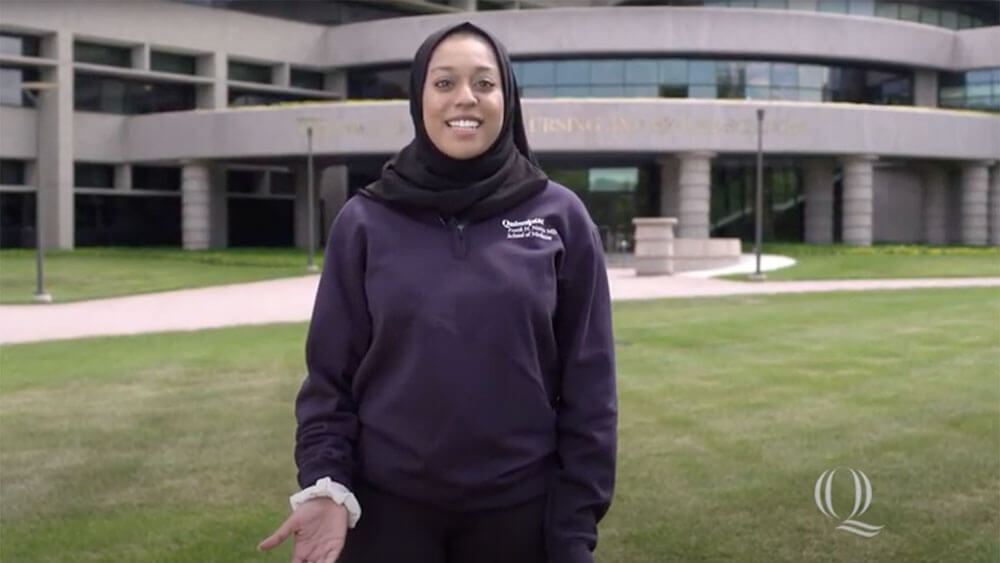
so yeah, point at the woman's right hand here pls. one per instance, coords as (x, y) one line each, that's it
(320, 528)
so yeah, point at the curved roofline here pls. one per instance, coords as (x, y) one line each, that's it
(668, 29)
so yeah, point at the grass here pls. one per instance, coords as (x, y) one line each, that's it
(89, 273)
(177, 447)
(820, 262)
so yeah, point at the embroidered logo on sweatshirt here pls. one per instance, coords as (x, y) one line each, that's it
(533, 227)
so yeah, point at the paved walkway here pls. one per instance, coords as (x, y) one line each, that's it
(291, 299)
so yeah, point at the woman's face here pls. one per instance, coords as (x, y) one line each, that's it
(462, 98)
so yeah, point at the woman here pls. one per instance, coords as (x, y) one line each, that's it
(461, 368)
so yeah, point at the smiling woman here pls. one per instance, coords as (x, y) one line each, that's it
(462, 98)
(461, 380)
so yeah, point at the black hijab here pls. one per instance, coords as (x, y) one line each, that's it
(422, 177)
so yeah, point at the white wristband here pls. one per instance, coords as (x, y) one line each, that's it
(327, 488)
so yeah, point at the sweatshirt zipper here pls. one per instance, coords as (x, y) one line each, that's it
(459, 248)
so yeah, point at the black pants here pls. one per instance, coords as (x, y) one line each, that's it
(393, 529)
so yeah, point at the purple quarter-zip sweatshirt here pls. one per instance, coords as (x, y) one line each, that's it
(466, 366)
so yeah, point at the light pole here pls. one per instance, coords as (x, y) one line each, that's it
(310, 190)
(759, 204)
(30, 89)
(309, 126)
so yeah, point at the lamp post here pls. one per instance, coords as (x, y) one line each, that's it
(310, 190)
(30, 89)
(309, 125)
(759, 197)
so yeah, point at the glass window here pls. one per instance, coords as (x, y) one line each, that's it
(949, 19)
(110, 219)
(537, 92)
(772, 4)
(282, 183)
(964, 21)
(17, 220)
(642, 91)
(641, 71)
(243, 181)
(248, 72)
(812, 76)
(607, 72)
(93, 175)
(573, 73)
(909, 12)
(107, 94)
(171, 62)
(930, 16)
(537, 73)
(673, 91)
(12, 173)
(978, 76)
(11, 79)
(102, 54)
(608, 90)
(731, 78)
(167, 178)
(240, 97)
(19, 45)
(308, 79)
(810, 94)
(572, 91)
(674, 71)
(758, 74)
(702, 92)
(887, 10)
(861, 7)
(702, 72)
(612, 179)
(784, 74)
(835, 6)
(387, 84)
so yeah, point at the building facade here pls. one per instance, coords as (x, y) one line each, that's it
(190, 123)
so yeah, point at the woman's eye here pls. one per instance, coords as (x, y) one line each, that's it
(484, 84)
(443, 83)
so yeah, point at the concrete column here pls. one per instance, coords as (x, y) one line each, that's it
(975, 192)
(669, 190)
(994, 213)
(333, 188)
(818, 179)
(934, 178)
(695, 180)
(55, 145)
(857, 201)
(123, 177)
(141, 57)
(281, 74)
(218, 207)
(335, 81)
(216, 94)
(925, 88)
(196, 205)
(302, 206)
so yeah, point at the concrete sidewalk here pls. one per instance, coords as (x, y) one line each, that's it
(291, 299)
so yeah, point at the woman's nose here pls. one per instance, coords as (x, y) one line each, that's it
(465, 96)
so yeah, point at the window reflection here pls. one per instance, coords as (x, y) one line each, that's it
(107, 94)
(976, 89)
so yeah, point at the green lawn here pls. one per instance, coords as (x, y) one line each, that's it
(89, 273)
(177, 447)
(820, 262)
